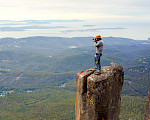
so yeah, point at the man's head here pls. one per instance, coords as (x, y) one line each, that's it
(97, 38)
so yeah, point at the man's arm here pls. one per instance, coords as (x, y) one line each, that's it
(96, 43)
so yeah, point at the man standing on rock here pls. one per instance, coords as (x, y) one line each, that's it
(98, 43)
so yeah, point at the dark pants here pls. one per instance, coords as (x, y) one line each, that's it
(97, 61)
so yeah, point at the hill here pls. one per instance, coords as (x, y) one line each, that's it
(57, 104)
(38, 75)
(49, 45)
(135, 62)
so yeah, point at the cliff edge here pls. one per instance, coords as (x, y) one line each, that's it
(98, 97)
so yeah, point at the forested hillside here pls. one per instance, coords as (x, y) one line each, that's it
(38, 75)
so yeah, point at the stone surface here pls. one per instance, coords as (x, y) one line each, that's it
(98, 97)
(147, 110)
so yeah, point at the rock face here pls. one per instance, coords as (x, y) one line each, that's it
(147, 110)
(98, 97)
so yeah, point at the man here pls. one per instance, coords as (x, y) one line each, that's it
(98, 43)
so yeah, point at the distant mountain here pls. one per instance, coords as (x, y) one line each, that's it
(48, 45)
(44, 54)
(34, 80)
(24, 61)
(38, 74)
(76, 59)
(42, 44)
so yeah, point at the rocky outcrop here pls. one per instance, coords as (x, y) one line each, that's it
(147, 110)
(98, 97)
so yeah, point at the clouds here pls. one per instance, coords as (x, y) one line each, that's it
(72, 9)
(92, 30)
(69, 28)
(76, 17)
(24, 25)
(89, 25)
(29, 22)
(25, 28)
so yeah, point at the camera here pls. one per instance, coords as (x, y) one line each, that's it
(95, 39)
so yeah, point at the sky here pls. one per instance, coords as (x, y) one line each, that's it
(75, 18)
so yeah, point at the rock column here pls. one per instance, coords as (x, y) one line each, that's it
(98, 97)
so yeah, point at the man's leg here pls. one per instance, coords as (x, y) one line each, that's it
(99, 63)
(96, 61)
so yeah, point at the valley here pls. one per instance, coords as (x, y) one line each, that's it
(38, 78)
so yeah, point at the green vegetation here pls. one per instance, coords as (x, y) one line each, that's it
(58, 104)
(38, 75)
(137, 80)
(132, 108)
(22, 81)
(41, 104)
